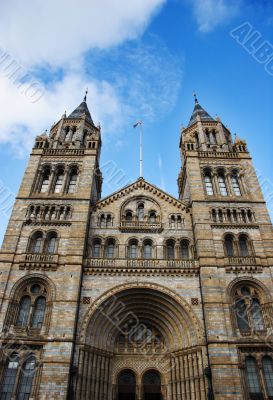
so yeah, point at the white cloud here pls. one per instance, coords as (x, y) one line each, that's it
(54, 32)
(211, 13)
(24, 120)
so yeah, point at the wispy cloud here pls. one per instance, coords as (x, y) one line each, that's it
(212, 13)
(137, 80)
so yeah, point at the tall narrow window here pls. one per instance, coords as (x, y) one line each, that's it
(184, 250)
(108, 221)
(268, 374)
(253, 378)
(128, 217)
(222, 185)
(110, 248)
(102, 221)
(214, 216)
(208, 184)
(38, 313)
(235, 185)
(132, 250)
(243, 246)
(96, 248)
(229, 245)
(213, 137)
(152, 217)
(24, 310)
(51, 243)
(197, 140)
(26, 379)
(72, 182)
(140, 212)
(257, 315)
(172, 222)
(170, 250)
(59, 182)
(36, 243)
(8, 384)
(147, 249)
(45, 181)
(241, 315)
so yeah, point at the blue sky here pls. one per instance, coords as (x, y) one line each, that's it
(140, 60)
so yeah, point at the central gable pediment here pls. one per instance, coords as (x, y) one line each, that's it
(140, 188)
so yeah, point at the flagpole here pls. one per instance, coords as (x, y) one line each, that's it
(140, 152)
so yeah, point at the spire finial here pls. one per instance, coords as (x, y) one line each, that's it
(195, 97)
(86, 93)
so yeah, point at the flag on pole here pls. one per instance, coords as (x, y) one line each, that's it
(137, 124)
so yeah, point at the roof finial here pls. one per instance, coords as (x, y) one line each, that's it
(86, 93)
(195, 97)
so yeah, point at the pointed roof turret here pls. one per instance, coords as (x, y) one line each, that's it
(82, 111)
(198, 110)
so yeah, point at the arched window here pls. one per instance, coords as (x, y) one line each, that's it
(207, 135)
(132, 248)
(214, 216)
(197, 140)
(72, 183)
(222, 185)
(108, 221)
(152, 217)
(184, 250)
(220, 215)
(51, 243)
(172, 222)
(38, 313)
(147, 249)
(243, 246)
(126, 385)
(179, 222)
(235, 185)
(36, 243)
(26, 379)
(102, 221)
(24, 310)
(110, 248)
(229, 245)
(213, 137)
(152, 385)
(140, 212)
(252, 378)
(59, 181)
(248, 310)
(208, 184)
(128, 216)
(96, 253)
(45, 181)
(268, 375)
(9, 380)
(229, 216)
(170, 253)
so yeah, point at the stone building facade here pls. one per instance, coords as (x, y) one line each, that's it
(139, 295)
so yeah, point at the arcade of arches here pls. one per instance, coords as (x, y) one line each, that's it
(142, 344)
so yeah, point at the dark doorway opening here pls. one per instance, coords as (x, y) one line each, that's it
(126, 385)
(152, 386)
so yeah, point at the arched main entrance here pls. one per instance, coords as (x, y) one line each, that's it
(127, 385)
(140, 327)
(151, 385)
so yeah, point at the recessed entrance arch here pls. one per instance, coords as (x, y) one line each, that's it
(139, 327)
(151, 385)
(126, 385)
